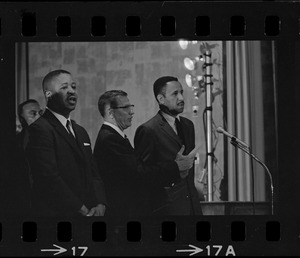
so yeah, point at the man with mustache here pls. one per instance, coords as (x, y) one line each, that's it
(65, 178)
(166, 140)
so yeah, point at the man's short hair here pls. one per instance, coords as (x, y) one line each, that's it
(160, 84)
(20, 110)
(49, 77)
(109, 98)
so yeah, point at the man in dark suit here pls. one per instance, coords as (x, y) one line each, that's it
(115, 156)
(167, 140)
(123, 174)
(65, 178)
(20, 181)
(28, 112)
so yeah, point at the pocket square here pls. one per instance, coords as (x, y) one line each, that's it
(86, 144)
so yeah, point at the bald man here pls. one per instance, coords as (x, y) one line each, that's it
(65, 178)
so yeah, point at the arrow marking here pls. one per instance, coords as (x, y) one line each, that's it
(193, 251)
(58, 251)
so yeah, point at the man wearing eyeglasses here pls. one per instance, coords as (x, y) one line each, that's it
(28, 112)
(65, 177)
(122, 174)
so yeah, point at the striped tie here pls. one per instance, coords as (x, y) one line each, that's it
(69, 128)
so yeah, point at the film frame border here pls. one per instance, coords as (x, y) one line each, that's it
(219, 14)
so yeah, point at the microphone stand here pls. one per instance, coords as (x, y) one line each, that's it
(208, 101)
(247, 150)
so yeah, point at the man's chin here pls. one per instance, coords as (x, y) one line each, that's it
(180, 110)
(127, 126)
(71, 106)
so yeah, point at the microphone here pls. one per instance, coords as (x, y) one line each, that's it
(232, 137)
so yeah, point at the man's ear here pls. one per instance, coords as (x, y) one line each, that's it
(161, 99)
(109, 111)
(48, 93)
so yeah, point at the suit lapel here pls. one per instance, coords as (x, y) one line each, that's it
(62, 131)
(168, 129)
(107, 127)
(79, 137)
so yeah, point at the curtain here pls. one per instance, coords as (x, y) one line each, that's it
(21, 60)
(245, 119)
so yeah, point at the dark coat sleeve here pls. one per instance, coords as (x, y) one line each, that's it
(166, 172)
(43, 162)
(117, 167)
(96, 187)
(98, 190)
(113, 155)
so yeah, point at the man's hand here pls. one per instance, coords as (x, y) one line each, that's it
(99, 210)
(83, 210)
(184, 174)
(184, 162)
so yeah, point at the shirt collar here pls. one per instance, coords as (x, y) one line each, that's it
(170, 119)
(116, 128)
(60, 117)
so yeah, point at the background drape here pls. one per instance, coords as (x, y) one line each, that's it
(245, 118)
(21, 64)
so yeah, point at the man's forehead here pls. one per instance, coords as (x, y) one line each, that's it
(122, 99)
(173, 86)
(63, 77)
(31, 106)
(59, 80)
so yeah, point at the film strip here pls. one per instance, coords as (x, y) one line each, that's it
(231, 225)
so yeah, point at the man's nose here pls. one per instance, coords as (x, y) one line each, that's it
(180, 96)
(71, 89)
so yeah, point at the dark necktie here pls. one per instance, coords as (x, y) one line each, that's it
(69, 128)
(179, 130)
(126, 139)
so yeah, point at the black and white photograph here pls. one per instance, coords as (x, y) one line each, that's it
(156, 128)
(149, 128)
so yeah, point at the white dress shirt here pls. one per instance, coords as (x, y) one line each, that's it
(170, 120)
(115, 127)
(63, 121)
